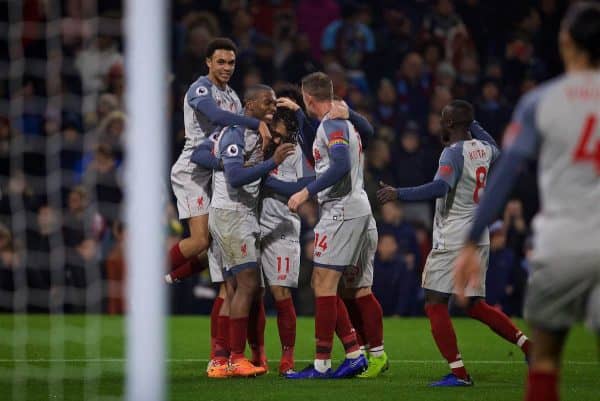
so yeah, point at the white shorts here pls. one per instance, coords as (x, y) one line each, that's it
(338, 243)
(563, 290)
(237, 235)
(191, 186)
(361, 275)
(438, 274)
(215, 261)
(280, 261)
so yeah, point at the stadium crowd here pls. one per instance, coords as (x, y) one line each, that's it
(62, 121)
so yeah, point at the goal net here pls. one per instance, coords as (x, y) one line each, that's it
(73, 180)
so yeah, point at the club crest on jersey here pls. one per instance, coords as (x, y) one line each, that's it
(200, 201)
(202, 91)
(316, 154)
(244, 249)
(232, 150)
(337, 138)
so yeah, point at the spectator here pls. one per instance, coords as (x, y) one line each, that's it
(438, 24)
(387, 111)
(492, 109)
(387, 274)
(413, 87)
(377, 170)
(313, 17)
(502, 263)
(348, 40)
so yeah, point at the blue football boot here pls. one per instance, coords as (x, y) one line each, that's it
(308, 372)
(351, 367)
(450, 380)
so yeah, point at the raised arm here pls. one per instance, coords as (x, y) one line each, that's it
(478, 132)
(200, 99)
(231, 148)
(522, 142)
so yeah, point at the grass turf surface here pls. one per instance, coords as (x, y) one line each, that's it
(496, 366)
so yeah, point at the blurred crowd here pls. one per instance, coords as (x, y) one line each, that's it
(62, 121)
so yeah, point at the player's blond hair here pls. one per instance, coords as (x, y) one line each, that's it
(318, 85)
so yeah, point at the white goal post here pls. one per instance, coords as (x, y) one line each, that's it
(147, 133)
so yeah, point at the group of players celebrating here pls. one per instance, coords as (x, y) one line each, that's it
(246, 169)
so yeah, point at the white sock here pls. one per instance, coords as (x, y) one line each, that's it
(376, 352)
(353, 354)
(322, 365)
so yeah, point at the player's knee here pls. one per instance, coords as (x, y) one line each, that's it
(434, 297)
(362, 292)
(280, 293)
(247, 282)
(200, 243)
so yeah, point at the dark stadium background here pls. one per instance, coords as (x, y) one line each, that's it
(396, 62)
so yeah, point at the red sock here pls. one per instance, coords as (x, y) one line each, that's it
(189, 268)
(325, 322)
(238, 330)
(256, 330)
(445, 338)
(214, 324)
(176, 257)
(344, 329)
(499, 323)
(372, 318)
(356, 319)
(286, 323)
(542, 386)
(222, 348)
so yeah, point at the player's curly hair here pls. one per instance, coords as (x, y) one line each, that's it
(220, 44)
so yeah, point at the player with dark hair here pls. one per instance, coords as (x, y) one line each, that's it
(209, 105)
(340, 235)
(280, 231)
(233, 221)
(558, 124)
(457, 188)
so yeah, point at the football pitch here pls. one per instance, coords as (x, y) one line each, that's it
(97, 371)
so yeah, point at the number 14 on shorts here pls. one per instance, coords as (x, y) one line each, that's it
(320, 243)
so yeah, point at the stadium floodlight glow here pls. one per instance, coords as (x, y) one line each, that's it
(146, 97)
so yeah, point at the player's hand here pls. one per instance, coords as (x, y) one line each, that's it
(287, 103)
(265, 134)
(386, 193)
(339, 110)
(467, 272)
(297, 199)
(283, 151)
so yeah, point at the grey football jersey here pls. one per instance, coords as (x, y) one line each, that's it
(560, 123)
(245, 145)
(464, 167)
(199, 126)
(275, 216)
(347, 198)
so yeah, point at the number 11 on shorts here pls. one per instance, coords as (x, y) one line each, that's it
(287, 264)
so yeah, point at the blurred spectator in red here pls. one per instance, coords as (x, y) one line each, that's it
(116, 271)
(313, 17)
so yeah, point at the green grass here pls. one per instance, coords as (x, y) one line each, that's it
(79, 373)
